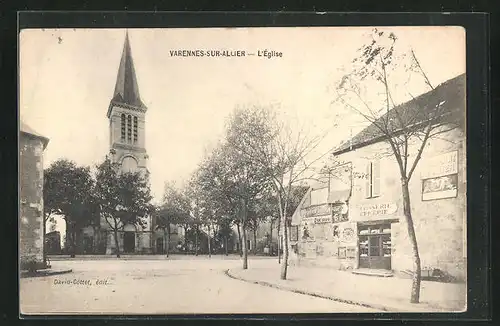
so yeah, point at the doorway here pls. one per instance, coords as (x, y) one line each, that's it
(129, 242)
(375, 246)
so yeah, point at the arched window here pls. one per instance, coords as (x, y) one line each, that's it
(123, 122)
(129, 129)
(135, 130)
(129, 164)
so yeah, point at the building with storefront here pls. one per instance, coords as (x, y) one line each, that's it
(358, 223)
(31, 219)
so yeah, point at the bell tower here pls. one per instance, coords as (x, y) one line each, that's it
(126, 114)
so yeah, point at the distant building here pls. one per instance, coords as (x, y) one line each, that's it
(359, 224)
(31, 219)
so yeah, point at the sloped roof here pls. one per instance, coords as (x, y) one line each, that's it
(451, 91)
(24, 128)
(126, 88)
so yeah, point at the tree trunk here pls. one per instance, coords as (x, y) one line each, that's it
(271, 238)
(278, 242)
(283, 210)
(415, 288)
(284, 264)
(44, 241)
(244, 247)
(196, 241)
(225, 239)
(72, 240)
(167, 245)
(255, 241)
(185, 238)
(240, 246)
(209, 246)
(117, 243)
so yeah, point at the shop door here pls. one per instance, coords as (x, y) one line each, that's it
(129, 242)
(375, 247)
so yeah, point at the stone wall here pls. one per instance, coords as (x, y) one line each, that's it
(31, 201)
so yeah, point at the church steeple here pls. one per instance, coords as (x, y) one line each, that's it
(126, 89)
(127, 117)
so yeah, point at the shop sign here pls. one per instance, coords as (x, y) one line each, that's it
(317, 210)
(377, 209)
(322, 219)
(440, 165)
(317, 220)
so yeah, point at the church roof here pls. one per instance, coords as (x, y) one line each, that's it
(126, 88)
(24, 128)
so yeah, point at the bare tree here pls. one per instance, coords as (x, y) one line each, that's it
(381, 67)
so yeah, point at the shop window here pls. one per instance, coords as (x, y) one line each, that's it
(386, 245)
(363, 246)
(372, 187)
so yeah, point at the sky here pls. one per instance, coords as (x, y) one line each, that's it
(67, 79)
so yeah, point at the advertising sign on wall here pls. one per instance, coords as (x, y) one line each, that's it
(440, 187)
(440, 165)
(318, 210)
(440, 177)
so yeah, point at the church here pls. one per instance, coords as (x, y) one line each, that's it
(126, 114)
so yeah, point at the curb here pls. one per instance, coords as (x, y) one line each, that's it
(315, 294)
(46, 273)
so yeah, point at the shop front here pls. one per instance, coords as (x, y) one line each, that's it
(375, 235)
(374, 246)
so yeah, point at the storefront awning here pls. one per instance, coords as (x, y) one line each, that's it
(339, 196)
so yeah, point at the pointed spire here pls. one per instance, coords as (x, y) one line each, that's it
(127, 89)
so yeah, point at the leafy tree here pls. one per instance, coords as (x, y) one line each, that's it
(279, 153)
(381, 71)
(216, 188)
(173, 211)
(123, 197)
(248, 179)
(68, 192)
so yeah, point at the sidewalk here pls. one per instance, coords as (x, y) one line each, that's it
(153, 257)
(391, 294)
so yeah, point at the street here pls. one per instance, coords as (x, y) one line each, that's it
(170, 286)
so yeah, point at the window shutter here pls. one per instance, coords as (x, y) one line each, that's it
(368, 180)
(376, 178)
